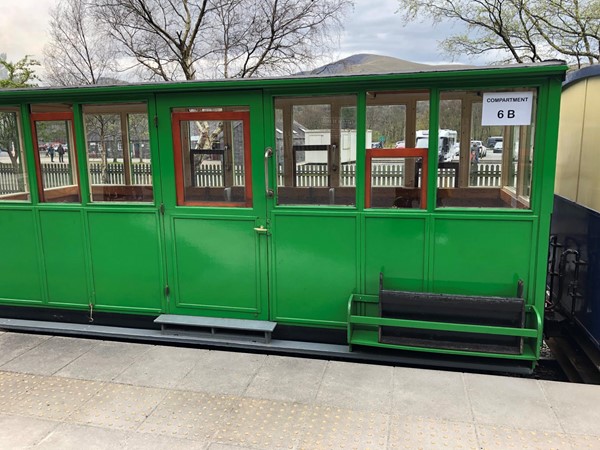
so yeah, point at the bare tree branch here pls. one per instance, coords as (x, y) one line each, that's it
(524, 31)
(78, 52)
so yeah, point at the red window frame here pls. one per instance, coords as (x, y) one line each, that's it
(176, 119)
(50, 117)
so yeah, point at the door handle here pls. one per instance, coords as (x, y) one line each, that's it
(268, 190)
(261, 229)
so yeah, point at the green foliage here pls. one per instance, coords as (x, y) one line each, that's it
(20, 73)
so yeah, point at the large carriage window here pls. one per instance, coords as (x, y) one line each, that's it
(55, 155)
(489, 156)
(118, 152)
(212, 156)
(13, 173)
(316, 150)
(398, 139)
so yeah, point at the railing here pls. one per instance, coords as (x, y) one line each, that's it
(141, 173)
(384, 174)
(11, 179)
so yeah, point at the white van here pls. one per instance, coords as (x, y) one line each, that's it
(447, 145)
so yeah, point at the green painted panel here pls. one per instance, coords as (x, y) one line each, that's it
(126, 260)
(481, 257)
(396, 247)
(315, 267)
(64, 257)
(19, 265)
(216, 265)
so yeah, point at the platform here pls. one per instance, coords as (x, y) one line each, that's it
(72, 393)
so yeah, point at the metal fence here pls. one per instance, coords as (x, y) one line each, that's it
(316, 175)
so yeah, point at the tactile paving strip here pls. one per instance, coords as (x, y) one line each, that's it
(505, 438)
(119, 406)
(12, 386)
(264, 424)
(46, 397)
(416, 433)
(190, 415)
(580, 442)
(343, 429)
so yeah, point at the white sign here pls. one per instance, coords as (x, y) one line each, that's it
(507, 108)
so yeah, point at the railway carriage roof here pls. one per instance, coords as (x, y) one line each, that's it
(437, 73)
(581, 74)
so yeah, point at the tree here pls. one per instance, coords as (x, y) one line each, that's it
(78, 52)
(517, 30)
(231, 38)
(19, 74)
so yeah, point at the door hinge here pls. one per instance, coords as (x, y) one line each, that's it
(161, 208)
(156, 121)
(167, 290)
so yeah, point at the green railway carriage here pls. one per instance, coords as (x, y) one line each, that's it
(303, 207)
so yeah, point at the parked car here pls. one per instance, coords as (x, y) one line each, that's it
(498, 147)
(492, 140)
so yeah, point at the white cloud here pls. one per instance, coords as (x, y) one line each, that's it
(373, 27)
(24, 27)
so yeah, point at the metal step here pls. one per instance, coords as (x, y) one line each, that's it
(241, 329)
(277, 346)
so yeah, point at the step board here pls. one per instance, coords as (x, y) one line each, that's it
(246, 329)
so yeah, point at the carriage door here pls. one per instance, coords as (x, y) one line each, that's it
(314, 223)
(216, 243)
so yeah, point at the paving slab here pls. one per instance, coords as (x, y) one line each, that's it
(287, 379)
(261, 423)
(50, 356)
(189, 415)
(223, 372)
(357, 386)
(179, 398)
(329, 427)
(119, 406)
(219, 446)
(434, 394)
(161, 366)
(70, 436)
(577, 406)
(411, 433)
(15, 344)
(45, 397)
(105, 361)
(507, 438)
(584, 442)
(144, 441)
(22, 432)
(508, 401)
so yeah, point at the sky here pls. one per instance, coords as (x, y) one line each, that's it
(372, 27)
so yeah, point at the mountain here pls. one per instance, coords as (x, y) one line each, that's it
(366, 63)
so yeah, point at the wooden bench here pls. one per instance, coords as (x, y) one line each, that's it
(484, 311)
(171, 323)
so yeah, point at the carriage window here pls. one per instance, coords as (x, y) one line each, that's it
(212, 156)
(316, 150)
(118, 152)
(13, 174)
(397, 138)
(487, 161)
(55, 155)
